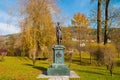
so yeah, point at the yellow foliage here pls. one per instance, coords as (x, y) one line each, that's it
(81, 23)
(37, 27)
(80, 20)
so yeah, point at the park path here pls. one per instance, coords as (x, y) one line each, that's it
(72, 75)
(59, 78)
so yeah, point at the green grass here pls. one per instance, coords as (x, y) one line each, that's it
(88, 71)
(21, 68)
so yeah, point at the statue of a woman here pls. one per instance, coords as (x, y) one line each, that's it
(58, 33)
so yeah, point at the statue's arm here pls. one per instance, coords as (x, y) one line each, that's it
(60, 28)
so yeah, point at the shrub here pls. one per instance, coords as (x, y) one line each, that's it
(103, 54)
(97, 51)
(109, 56)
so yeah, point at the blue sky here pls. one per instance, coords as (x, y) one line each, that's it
(9, 23)
(70, 7)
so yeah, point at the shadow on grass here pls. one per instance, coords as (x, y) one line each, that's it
(36, 67)
(116, 73)
(91, 72)
(41, 58)
(2, 60)
(118, 63)
(83, 62)
(100, 68)
(23, 58)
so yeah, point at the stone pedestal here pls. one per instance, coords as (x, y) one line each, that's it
(58, 68)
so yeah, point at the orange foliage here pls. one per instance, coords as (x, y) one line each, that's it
(80, 20)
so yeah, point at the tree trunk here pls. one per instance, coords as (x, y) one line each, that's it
(106, 22)
(34, 58)
(70, 59)
(3, 54)
(118, 55)
(79, 42)
(99, 19)
(90, 58)
(32, 55)
(111, 68)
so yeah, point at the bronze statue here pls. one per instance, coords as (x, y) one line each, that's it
(58, 33)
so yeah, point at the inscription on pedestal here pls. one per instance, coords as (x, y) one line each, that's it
(58, 67)
(59, 55)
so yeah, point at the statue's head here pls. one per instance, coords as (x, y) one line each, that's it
(58, 23)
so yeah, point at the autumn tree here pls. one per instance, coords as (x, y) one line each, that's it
(106, 21)
(109, 57)
(68, 43)
(37, 25)
(81, 23)
(109, 18)
(115, 38)
(67, 39)
(99, 20)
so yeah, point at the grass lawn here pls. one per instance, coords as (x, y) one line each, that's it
(88, 71)
(21, 68)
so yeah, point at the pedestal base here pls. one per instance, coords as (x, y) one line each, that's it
(58, 70)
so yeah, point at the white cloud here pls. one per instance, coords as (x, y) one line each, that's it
(5, 17)
(7, 23)
(8, 29)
